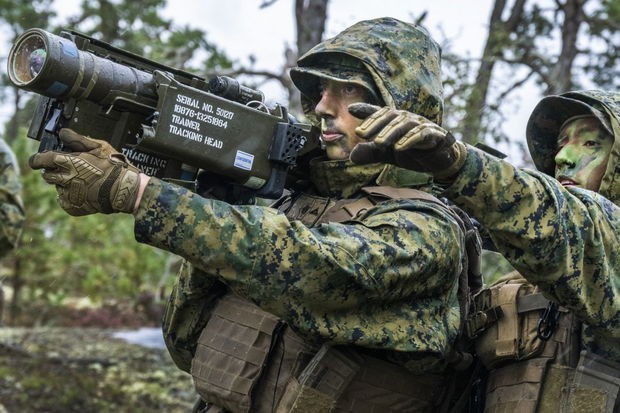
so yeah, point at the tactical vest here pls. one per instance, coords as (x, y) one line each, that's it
(531, 349)
(248, 360)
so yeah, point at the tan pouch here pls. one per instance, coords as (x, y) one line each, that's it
(516, 387)
(512, 335)
(231, 353)
(245, 357)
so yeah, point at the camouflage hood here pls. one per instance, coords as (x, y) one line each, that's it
(552, 111)
(401, 59)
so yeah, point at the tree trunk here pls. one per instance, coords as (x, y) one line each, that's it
(560, 77)
(497, 38)
(310, 17)
(17, 284)
(12, 126)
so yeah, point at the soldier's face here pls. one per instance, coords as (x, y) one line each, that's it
(337, 124)
(584, 146)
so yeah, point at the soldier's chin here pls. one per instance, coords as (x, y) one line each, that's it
(336, 152)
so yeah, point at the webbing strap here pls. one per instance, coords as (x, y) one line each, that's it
(401, 193)
(531, 302)
(345, 210)
(508, 330)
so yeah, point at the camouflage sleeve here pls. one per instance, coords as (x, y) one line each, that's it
(11, 207)
(389, 280)
(565, 240)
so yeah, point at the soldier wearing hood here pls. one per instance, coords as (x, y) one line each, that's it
(11, 206)
(555, 347)
(12, 213)
(355, 278)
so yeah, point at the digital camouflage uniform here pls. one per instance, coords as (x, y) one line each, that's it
(563, 240)
(11, 206)
(385, 280)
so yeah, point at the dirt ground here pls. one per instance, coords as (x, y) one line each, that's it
(86, 370)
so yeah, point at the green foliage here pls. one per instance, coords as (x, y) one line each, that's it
(494, 266)
(604, 30)
(21, 15)
(557, 47)
(94, 256)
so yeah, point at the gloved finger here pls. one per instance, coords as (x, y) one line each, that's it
(398, 127)
(375, 122)
(368, 152)
(43, 160)
(362, 110)
(65, 170)
(59, 177)
(77, 142)
(426, 136)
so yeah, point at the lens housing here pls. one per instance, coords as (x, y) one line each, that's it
(55, 67)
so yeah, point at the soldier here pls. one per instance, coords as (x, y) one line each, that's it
(11, 206)
(555, 347)
(356, 277)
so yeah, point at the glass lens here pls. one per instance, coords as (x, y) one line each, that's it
(28, 59)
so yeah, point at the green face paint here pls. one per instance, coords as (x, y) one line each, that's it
(583, 151)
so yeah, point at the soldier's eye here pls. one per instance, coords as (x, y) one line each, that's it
(351, 89)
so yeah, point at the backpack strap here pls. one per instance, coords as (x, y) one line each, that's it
(347, 209)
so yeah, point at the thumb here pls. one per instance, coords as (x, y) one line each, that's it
(369, 152)
(76, 142)
(362, 110)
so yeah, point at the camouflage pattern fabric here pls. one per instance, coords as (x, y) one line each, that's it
(403, 60)
(387, 280)
(564, 240)
(11, 205)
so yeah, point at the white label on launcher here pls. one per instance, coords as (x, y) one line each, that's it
(244, 160)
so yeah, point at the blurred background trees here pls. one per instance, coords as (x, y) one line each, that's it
(559, 45)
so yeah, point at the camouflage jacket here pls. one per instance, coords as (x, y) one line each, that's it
(386, 280)
(564, 240)
(11, 206)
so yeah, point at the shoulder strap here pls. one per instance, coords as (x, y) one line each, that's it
(347, 209)
(389, 192)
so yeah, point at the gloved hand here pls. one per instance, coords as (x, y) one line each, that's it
(93, 178)
(406, 140)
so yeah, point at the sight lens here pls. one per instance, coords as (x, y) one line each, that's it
(27, 60)
(37, 60)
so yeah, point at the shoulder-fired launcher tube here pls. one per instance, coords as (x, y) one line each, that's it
(53, 66)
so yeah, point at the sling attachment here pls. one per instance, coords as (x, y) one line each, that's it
(548, 322)
(482, 314)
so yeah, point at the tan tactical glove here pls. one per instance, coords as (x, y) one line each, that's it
(406, 140)
(93, 178)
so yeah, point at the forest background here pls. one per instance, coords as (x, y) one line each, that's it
(65, 265)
